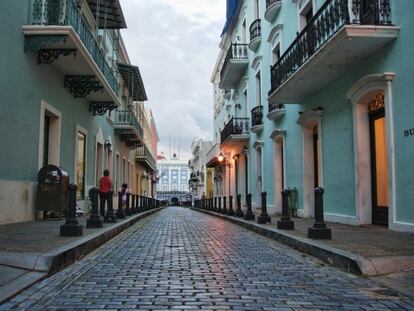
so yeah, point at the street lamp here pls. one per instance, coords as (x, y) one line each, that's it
(220, 157)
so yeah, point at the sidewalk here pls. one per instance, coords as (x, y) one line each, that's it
(32, 250)
(367, 250)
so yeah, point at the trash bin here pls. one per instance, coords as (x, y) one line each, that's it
(52, 190)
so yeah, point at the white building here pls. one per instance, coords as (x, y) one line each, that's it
(199, 181)
(174, 175)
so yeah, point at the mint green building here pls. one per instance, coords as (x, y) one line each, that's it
(70, 97)
(315, 93)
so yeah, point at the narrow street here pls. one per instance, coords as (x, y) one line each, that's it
(182, 259)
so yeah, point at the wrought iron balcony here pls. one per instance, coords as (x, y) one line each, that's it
(272, 8)
(340, 34)
(234, 65)
(227, 94)
(128, 128)
(275, 111)
(257, 119)
(237, 129)
(255, 34)
(144, 156)
(66, 13)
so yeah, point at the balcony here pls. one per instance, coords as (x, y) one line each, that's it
(212, 156)
(332, 42)
(144, 157)
(59, 34)
(276, 111)
(257, 119)
(255, 35)
(227, 94)
(272, 9)
(235, 132)
(234, 66)
(128, 128)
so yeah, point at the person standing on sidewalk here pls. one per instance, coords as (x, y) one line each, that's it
(105, 187)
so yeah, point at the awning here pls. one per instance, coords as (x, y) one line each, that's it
(113, 12)
(133, 81)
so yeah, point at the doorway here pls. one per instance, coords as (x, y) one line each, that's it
(379, 160)
(279, 172)
(99, 162)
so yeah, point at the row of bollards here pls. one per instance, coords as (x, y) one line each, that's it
(134, 204)
(318, 231)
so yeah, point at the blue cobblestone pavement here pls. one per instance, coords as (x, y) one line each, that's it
(180, 259)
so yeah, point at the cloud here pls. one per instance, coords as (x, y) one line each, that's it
(175, 45)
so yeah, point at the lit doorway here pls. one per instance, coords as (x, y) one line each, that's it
(379, 160)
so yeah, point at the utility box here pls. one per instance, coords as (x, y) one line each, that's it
(52, 190)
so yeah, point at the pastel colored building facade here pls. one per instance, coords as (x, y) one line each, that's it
(314, 93)
(71, 98)
(200, 178)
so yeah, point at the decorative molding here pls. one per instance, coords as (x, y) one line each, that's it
(277, 133)
(369, 82)
(256, 62)
(312, 115)
(258, 144)
(100, 108)
(274, 33)
(48, 56)
(81, 86)
(33, 43)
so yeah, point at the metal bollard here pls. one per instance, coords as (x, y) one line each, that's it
(110, 215)
(120, 212)
(239, 212)
(224, 210)
(249, 214)
(285, 223)
(94, 221)
(231, 210)
(264, 216)
(71, 226)
(319, 229)
(219, 205)
(215, 205)
(128, 211)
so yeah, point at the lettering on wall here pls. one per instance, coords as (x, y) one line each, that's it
(409, 132)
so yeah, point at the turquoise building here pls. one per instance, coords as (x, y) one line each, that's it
(71, 98)
(312, 93)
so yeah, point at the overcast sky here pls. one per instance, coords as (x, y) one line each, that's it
(175, 45)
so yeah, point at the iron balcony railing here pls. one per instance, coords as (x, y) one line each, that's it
(329, 19)
(274, 107)
(255, 29)
(236, 51)
(142, 152)
(127, 118)
(66, 13)
(271, 2)
(257, 116)
(236, 126)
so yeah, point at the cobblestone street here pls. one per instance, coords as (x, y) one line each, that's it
(182, 259)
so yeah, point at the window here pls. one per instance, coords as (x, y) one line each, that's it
(174, 175)
(258, 90)
(276, 54)
(80, 166)
(305, 15)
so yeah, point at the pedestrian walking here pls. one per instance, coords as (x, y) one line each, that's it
(105, 187)
(124, 192)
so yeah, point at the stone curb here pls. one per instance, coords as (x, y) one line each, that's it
(338, 258)
(40, 266)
